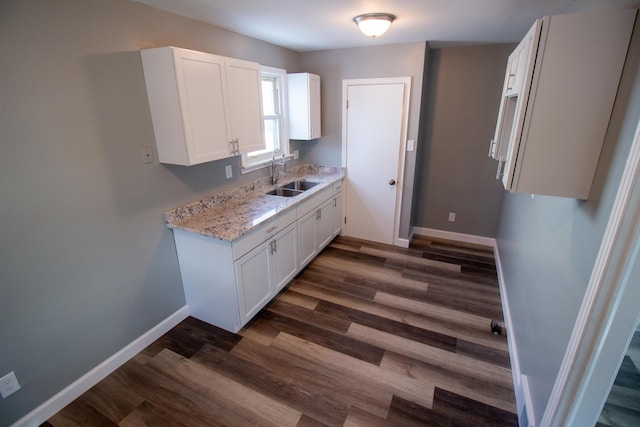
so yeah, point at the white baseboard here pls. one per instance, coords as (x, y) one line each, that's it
(520, 383)
(524, 404)
(450, 235)
(403, 243)
(94, 376)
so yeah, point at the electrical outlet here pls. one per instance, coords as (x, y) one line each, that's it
(9, 384)
(147, 154)
(452, 217)
(296, 154)
(228, 171)
(411, 145)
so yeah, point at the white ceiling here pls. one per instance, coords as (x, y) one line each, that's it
(305, 25)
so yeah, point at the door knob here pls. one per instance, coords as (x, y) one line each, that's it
(392, 182)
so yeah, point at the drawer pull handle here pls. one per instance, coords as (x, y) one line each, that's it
(272, 229)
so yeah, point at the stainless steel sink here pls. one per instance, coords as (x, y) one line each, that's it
(300, 185)
(284, 192)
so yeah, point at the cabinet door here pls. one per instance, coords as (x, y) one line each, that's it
(304, 106)
(314, 106)
(307, 243)
(245, 104)
(253, 276)
(324, 224)
(202, 93)
(187, 93)
(336, 215)
(284, 257)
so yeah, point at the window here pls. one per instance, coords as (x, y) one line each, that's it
(275, 120)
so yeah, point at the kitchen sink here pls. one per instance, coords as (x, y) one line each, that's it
(285, 192)
(300, 185)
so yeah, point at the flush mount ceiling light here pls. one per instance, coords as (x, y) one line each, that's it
(374, 24)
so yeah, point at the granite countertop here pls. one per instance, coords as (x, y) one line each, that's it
(231, 214)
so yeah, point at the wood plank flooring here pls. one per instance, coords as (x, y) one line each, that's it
(622, 408)
(366, 335)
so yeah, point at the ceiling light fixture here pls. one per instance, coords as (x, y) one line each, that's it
(374, 24)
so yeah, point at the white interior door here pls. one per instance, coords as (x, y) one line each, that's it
(373, 151)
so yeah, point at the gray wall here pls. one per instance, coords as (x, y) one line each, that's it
(548, 245)
(86, 263)
(461, 97)
(334, 66)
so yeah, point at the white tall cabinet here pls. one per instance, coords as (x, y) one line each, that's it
(560, 86)
(304, 106)
(204, 107)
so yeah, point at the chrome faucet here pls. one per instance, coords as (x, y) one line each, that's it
(275, 176)
(274, 172)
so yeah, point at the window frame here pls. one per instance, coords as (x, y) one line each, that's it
(251, 161)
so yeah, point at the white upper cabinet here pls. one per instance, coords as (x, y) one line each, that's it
(204, 107)
(304, 106)
(245, 100)
(519, 71)
(560, 86)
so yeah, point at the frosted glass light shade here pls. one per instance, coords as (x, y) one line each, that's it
(374, 24)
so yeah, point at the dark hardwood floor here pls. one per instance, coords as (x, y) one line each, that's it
(366, 335)
(622, 407)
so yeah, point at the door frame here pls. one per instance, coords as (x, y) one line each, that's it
(609, 312)
(406, 81)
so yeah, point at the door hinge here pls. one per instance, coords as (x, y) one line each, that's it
(347, 104)
(345, 219)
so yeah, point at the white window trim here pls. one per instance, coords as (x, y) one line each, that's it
(264, 161)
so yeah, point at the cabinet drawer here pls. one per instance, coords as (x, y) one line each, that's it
(314, 201)
(337, 186)
(262, 233)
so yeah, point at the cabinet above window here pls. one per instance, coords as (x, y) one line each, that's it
(204, 107)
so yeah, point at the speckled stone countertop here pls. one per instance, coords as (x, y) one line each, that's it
(231, 214)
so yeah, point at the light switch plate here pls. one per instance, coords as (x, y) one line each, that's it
(228, 171)
(296, 154)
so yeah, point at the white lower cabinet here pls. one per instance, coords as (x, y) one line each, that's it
(227, 283)
(337, 219)
(307, 240)
(323, 223)
(253, 274)
(264, 271)
(317, 226)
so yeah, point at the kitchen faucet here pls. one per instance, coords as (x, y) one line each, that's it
(274, 173)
